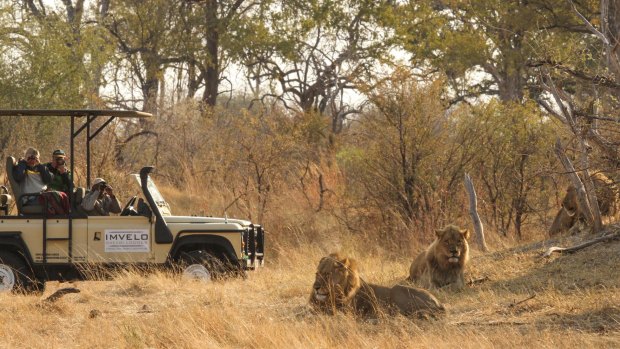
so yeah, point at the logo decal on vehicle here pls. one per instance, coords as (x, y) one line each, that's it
(138, 240)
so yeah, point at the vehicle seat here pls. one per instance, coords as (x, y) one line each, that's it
(5, 200)
(30, 209)
(78, 196)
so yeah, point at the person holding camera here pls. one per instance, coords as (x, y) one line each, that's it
(34, 178)
(101, 200)
(61, 179)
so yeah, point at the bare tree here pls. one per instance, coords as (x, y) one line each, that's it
(324, 57)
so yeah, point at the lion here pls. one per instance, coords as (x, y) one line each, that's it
(339, 287)
(569, 213)
(443, 262)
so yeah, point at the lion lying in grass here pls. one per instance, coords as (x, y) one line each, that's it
(443, 262)
(338, 286)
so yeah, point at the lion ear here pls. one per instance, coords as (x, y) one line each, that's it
(346, 262)
(349, 263)
(465, 233)
(439, 233)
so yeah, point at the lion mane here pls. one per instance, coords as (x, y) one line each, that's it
(339, 287)
(443, 262)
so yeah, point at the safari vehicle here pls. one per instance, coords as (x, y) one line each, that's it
(36, 247)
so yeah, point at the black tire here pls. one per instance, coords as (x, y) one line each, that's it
(15, 274)
(219, 268)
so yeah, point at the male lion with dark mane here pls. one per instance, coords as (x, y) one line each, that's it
(443, 262)
(338, 286)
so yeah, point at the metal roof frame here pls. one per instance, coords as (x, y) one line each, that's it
(90, 114)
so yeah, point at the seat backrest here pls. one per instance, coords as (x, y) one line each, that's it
(5, 200)
(78, 196)
(35, 209)
(15, 187)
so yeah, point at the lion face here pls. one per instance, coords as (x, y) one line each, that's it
(336, 280)
(452, 244)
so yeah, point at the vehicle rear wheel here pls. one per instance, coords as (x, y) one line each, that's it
(15, 275)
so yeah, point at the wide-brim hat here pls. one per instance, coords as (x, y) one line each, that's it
(59, 153)
(98, 180)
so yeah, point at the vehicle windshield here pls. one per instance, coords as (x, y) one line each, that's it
(161, 203)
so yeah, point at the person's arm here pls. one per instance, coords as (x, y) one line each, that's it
(19, 171)
(113, 205)
(90, 200)
(66, 181)
(67, 175)
(46, 175)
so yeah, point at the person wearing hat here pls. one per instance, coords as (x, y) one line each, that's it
(101, 200)
(61, 179)
(32, 176)
(35, 178)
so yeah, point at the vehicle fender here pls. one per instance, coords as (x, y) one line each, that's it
(197, 240)
(13, 241)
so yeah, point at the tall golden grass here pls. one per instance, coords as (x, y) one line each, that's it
(565, 301)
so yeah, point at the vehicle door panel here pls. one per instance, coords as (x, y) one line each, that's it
(114, 239)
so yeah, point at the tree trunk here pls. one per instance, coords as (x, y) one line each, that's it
(192, 80)
(511, 87)
(473, 212)
(212, 75)
(610, 27)
(590, 189)
(582, 195)
(150, 85)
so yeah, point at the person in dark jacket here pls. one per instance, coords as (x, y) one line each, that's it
(61, 179)
(34, 178)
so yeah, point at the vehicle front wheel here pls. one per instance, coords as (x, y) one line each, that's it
(197, 265)
(15, 275)
(202, 265)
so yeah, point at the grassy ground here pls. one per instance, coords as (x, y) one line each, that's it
(564, 301)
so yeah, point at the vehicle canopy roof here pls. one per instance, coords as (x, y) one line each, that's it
(90, 114)
(74, 112)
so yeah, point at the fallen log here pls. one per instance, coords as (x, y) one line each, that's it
(581, 246)
(59, 293)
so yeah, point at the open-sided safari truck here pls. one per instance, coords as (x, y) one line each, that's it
(36, 247)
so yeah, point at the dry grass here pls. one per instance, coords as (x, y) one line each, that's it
(576, 303)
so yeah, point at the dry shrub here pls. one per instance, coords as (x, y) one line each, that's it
(390, 179)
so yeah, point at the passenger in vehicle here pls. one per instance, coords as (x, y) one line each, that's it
(61, 179)
(101, 200)
(34, 178)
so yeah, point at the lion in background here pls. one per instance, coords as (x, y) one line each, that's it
(569, 213)
(443, 262)
(338, 286)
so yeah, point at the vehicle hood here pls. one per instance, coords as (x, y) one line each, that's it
(193, 219)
